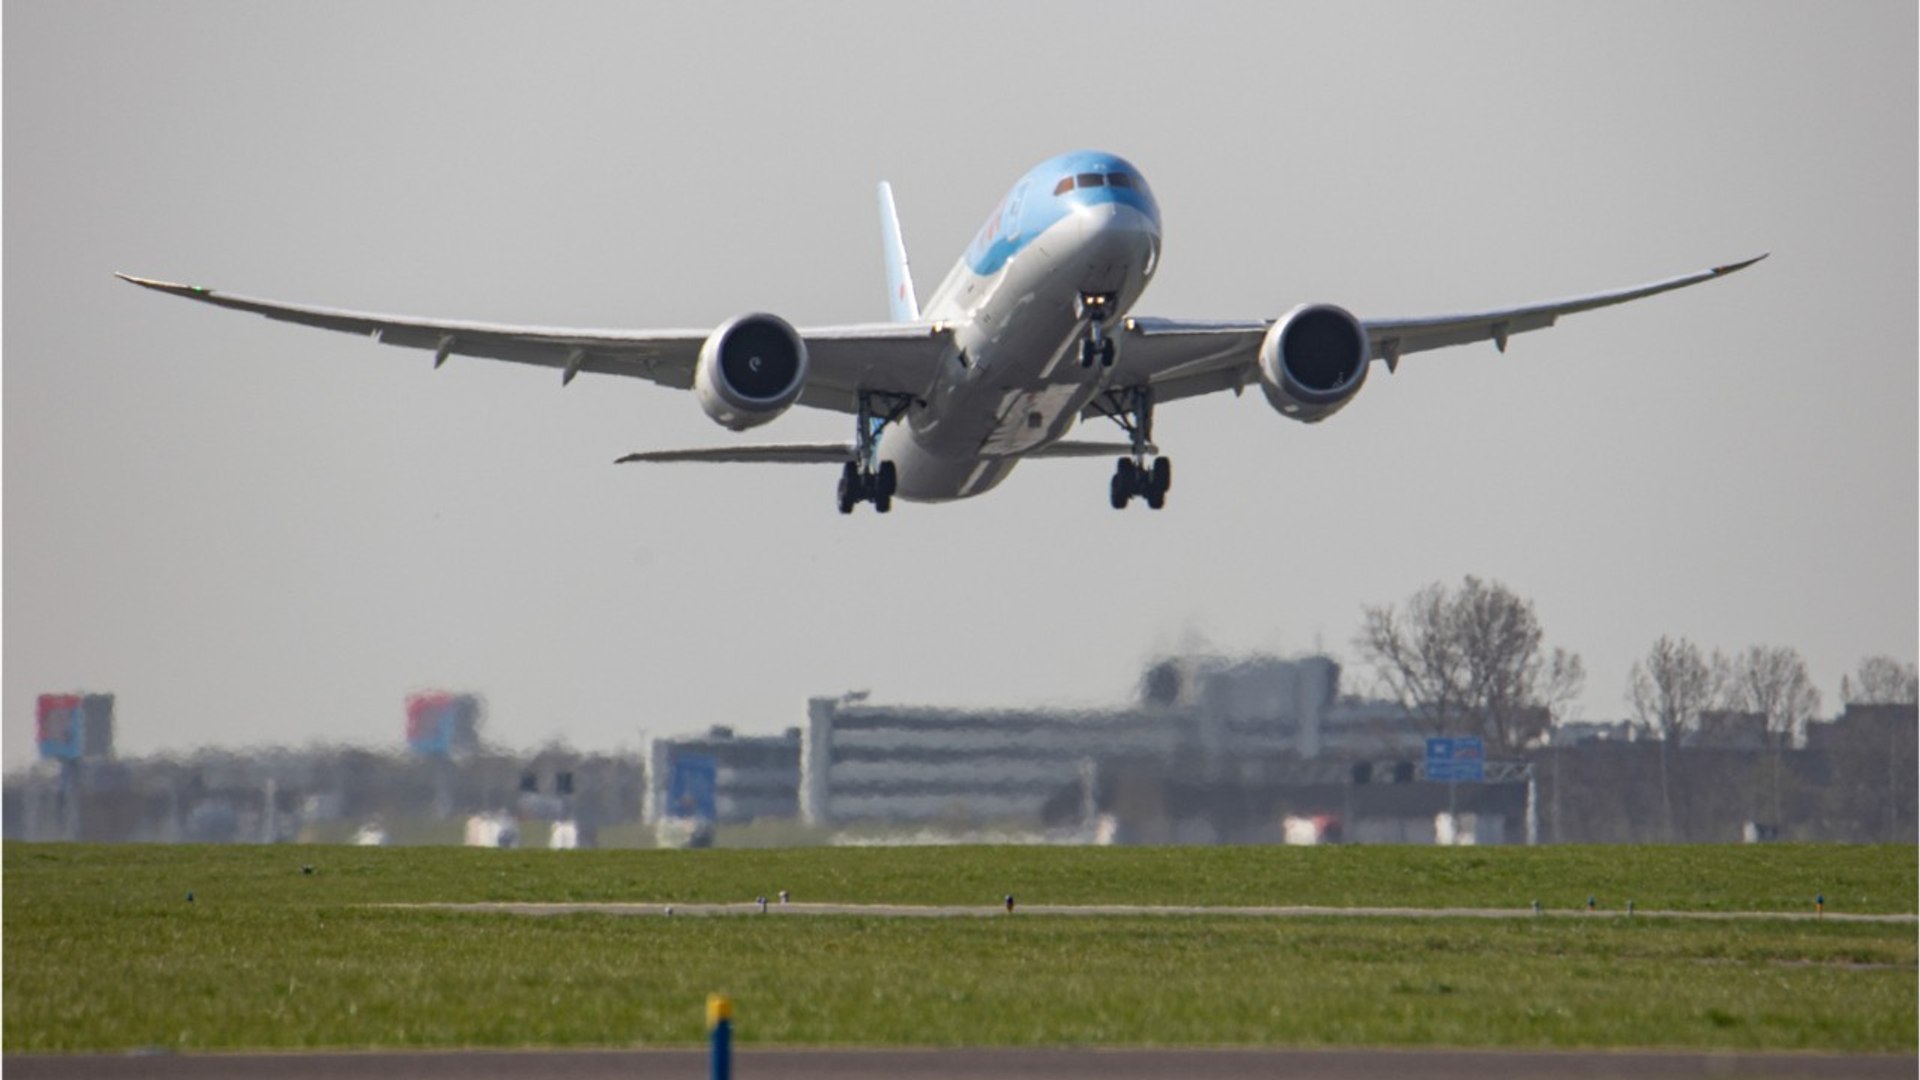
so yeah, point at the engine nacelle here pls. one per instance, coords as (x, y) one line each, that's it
(1313, 361)
(751, 370)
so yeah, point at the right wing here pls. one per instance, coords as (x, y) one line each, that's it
(1182, 358)
(889, 358)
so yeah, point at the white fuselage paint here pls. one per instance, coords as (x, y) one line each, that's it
(1014, 382)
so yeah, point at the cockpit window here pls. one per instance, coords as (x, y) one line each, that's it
(1119, 179)
(1090, 179)
(1065, 185)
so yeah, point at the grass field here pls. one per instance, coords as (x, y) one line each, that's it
(104, 952)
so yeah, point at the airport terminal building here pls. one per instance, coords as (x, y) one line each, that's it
(1228, 722)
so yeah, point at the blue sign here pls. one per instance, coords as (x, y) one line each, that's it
(1458, 758)
(690, 794)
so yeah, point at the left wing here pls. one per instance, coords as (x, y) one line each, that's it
(890, 358)
(1182, 358)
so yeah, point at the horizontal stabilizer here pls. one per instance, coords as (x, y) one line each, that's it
(765, 454)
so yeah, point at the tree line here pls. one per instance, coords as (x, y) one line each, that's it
(1474, 660)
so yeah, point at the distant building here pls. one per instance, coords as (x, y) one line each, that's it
(722, 777)
(1869, 724)
(74, 727)
(1577, 732)
(443, 725)
(865, 762)
(1726, 729)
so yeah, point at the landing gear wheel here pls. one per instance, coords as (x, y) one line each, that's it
(1106, 353)
(849, 488)
(1159, 482)
(1126, 483)
(887, 479)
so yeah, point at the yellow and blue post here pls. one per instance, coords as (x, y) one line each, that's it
(720, 1032)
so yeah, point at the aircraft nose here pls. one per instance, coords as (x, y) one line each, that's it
(1114, 230)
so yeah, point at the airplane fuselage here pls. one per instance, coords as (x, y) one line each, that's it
(1017, 300)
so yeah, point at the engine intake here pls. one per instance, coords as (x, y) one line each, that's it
(750, 370)
(1313, 361)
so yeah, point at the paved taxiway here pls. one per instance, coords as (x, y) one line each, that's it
(970, 1065)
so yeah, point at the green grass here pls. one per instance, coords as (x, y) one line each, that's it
(103, 952)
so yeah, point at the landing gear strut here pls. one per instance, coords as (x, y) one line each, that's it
(1095, 307)
(865, 479)
(1142, 473)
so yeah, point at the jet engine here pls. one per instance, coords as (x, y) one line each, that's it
(751, 370)
(1313, 361)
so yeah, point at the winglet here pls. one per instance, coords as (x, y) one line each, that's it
(1742, 265)
(902, 305)
(173, 287)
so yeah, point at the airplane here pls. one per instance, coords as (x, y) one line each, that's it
(1028, 334)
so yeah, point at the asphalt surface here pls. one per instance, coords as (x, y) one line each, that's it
(967, 1065)
(934, 911)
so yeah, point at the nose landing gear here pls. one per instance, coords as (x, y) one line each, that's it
(1142, 474)
(1095, 307)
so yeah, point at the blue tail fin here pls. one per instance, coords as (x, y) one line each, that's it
(902, 304)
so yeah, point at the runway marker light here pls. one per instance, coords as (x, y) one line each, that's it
(1536, 907)
(669, 909)
(783, 896)
(1629, 908)
(1590, 905)
(720, 1033)
(762, 901)
(1820, 905)
(1009, 903)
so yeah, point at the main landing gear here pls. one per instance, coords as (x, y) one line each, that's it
(864, 479)
(1142, 474)
(1095, 307)
(858, 485)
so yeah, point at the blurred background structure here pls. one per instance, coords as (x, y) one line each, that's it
(1209, 750)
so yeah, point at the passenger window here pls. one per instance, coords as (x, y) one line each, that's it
(1119, 179)
(1065, 185)
(1090, 179)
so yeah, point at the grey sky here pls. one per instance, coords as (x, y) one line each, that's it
(261, 533)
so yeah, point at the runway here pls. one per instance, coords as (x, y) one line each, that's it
(955, 911)
(970, 1065)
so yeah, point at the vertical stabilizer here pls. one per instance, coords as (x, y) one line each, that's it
(902, 304)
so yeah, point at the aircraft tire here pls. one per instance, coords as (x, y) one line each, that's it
(849, 488)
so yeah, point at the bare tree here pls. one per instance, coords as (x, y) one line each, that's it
(1772, 681)
(1470, 662)
(1882, 680)
(1667, 692)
